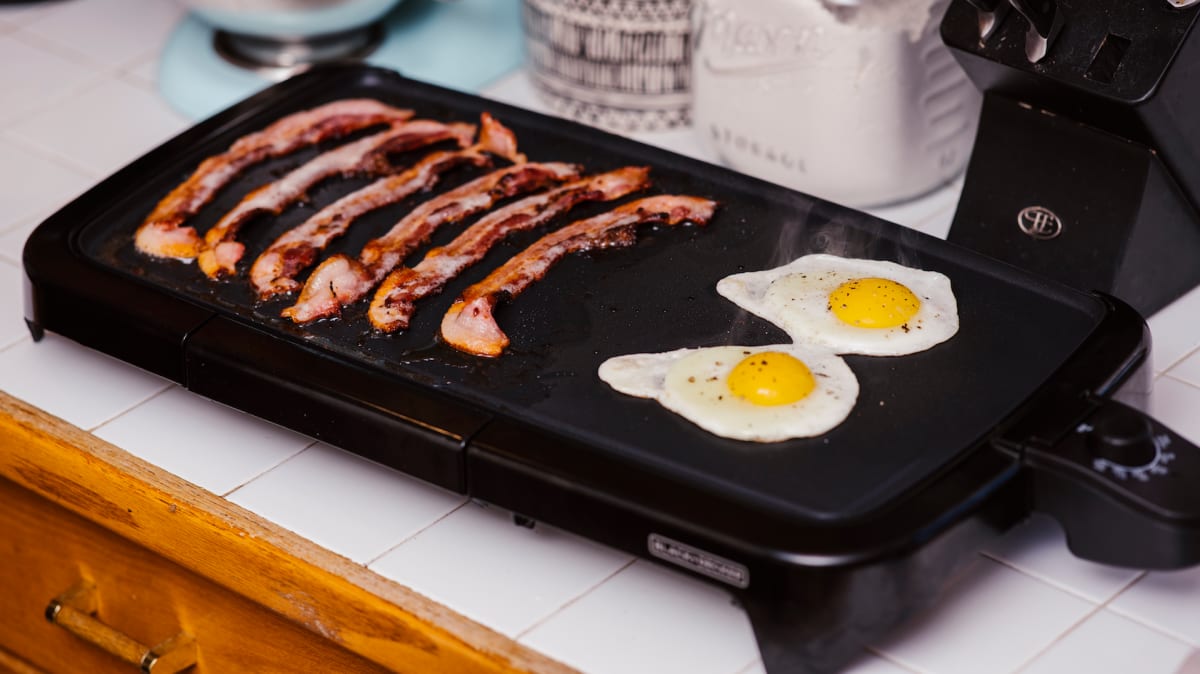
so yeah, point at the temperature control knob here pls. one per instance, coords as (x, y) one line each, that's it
(1122, 436)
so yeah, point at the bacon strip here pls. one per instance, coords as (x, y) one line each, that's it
(394, 302)
(162, 235)
(340, 281)
(275, 270)
(366, 156)
(469, 325)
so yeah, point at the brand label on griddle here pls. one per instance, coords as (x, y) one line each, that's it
(699, 561)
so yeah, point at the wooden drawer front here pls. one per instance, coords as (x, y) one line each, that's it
(45, 549)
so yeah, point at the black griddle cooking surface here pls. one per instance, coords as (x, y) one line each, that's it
(915, 415)
(827, 542)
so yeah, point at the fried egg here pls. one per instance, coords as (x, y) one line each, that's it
(869, 307)
(756, 393)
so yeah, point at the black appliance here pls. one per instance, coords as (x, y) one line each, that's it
(828, 542)
(1086, 166)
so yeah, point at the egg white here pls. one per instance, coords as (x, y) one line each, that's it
(796, 298)
(692, 383)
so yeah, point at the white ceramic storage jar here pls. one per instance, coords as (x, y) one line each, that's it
(855, 101)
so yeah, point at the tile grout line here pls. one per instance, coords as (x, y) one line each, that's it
(31, 38)
(30, 222)
(50, 156)
(1100, 607)
(1103, 606)
(252, 478)
(1186, 641)
(1051, 583)
(894, 661)
(49, 207)
(1173, 364)
(1145, 623)
(121, 413)
(128, 74)
(20, 16)
(1176, 379)
(1096, 608)
(1185, 356)
(9, 347)
(418, 532)
(749, 665)
(62, 160)
(573, 600)
(26, 34)
(24, 18)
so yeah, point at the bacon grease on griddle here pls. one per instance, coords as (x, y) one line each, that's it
(369, 156)
(162, 233)
(275, 270)
(394, 301)
(469, 325)
(340, 281)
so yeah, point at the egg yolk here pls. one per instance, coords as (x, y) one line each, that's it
(771, 378)
(873, 303)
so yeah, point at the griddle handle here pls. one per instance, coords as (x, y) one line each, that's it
(1045, 19)
(1124, 487)
(991, 15)
(1041, 14)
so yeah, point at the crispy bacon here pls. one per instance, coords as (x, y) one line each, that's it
(162, 233)
(275, 270)
(469, 325)
(366, 156)
(339, 280)
(394, 302)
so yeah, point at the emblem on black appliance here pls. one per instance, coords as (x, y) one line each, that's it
(1039, 222)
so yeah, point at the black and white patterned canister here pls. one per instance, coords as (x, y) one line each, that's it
(620, 64)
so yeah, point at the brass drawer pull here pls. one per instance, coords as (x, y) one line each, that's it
(74, 611)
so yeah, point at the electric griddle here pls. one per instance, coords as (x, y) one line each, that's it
(828, 542)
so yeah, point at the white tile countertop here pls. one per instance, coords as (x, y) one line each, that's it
(78, 100)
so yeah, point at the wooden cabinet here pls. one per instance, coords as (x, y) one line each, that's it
(160, 557)
(138, 594)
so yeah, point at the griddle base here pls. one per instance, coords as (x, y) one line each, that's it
(824, 626)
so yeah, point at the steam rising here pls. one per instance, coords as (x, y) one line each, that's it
(848, 234)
